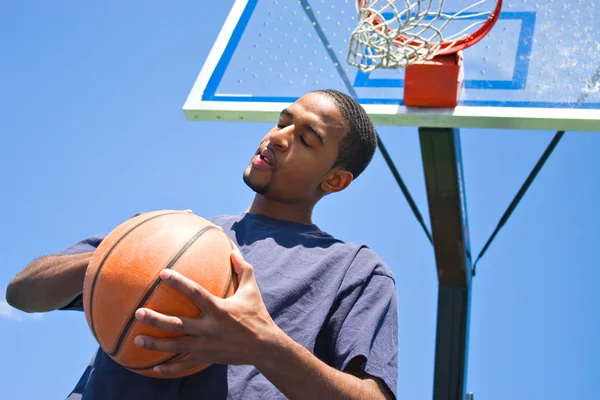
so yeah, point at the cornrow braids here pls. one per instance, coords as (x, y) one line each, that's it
(358, 146)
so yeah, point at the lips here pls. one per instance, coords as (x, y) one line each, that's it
(264, 159)
(267, 156)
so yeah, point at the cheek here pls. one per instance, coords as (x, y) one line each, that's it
(294, 176)
(305, 173)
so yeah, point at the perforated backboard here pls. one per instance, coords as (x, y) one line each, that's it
(539, 68)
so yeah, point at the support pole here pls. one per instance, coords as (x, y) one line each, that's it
(442, 165)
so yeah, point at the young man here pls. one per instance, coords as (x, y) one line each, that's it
(313, 317)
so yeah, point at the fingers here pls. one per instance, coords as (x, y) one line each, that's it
(237, 260)
(193, 290)
(185, 363)
(242, 268)
(182, 344)
(171, 323)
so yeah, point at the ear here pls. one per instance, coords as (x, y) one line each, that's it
(336, 180)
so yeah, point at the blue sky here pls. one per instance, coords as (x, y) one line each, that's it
(92, 131)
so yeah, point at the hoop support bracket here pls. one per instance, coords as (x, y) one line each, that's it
(434, 83)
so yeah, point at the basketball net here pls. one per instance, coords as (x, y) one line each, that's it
(416, 33)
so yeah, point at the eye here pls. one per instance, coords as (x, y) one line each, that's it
(304, 141)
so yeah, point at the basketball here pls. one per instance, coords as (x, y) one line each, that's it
(123, 276)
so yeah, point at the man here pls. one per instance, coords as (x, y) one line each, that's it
(313, 317)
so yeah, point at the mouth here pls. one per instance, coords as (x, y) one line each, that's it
(267, 156)
(264, 159)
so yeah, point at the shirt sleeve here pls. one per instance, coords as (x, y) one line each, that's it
(364, 321)
(86, 245)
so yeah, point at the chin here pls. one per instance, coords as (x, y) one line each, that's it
(257, 187)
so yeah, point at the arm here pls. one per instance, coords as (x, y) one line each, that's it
(48, 283)
(51, 282)
(290, 366)
(252, 339)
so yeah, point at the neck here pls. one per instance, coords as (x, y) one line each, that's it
(294, 212)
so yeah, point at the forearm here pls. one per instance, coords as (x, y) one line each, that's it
(48, 283)
(298, 374)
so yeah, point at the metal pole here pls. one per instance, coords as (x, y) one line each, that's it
(442, 164)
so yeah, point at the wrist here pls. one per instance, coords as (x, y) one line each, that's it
(274, 345)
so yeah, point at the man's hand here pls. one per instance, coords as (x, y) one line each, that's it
(229, 331)
(239, 331)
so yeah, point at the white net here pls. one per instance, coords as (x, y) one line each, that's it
(392, 34)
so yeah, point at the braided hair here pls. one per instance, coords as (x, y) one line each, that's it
(358, 145)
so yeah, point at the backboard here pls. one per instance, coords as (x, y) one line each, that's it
(539, 67)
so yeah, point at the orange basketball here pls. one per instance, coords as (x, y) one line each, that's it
(124, 276)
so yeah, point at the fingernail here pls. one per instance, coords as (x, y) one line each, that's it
(157, 369)
(139, 341)
(139, 314)
(165, 274)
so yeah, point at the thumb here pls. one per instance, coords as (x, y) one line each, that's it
(242, 268)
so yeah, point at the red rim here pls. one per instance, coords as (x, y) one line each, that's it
(456, 45)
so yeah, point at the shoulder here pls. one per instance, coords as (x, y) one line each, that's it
(224, 221)
(365, 267)
(87, 245)
(368, 257)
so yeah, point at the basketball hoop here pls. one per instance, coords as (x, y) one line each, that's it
(422, 40)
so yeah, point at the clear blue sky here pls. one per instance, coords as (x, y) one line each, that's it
(92, 131)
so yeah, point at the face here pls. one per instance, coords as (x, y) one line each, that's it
(294, 161)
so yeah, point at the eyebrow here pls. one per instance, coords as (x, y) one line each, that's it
(287, 113)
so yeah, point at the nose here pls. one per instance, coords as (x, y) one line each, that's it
(281, 138)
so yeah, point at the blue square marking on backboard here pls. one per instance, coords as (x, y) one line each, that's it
(518, 80)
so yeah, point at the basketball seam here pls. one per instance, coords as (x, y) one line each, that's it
(143, 298)
(229, 283)
(93, 325)
(151, 289)
(175, 356)
(231, 272)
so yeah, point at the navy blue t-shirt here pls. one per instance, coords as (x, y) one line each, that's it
(336, 299)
